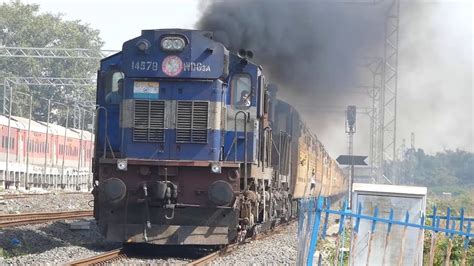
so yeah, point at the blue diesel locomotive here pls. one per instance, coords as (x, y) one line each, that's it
(194, 148)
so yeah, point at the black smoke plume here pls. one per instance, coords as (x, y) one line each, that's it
(302, 45)
(313, 50)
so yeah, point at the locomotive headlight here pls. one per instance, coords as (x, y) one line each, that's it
(216, 168)
(167, 44)
(173, 43)
(178, 44)
(122, 165)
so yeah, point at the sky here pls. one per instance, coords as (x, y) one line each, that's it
(435, 92)
(121, 20)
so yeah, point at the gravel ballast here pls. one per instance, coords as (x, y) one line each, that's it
(55, 243)
(278, 249)
(51, 243)
(49, 202)
(145, 261)
(48, 243)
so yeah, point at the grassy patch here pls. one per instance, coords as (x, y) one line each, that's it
(457, 250)
(461, 197)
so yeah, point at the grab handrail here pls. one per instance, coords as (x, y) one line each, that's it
(106, 140)
(245, 144)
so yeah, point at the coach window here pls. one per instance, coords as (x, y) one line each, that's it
(114, 91)
(241, 91)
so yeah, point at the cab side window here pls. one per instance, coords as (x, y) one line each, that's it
(114, 91)
(241, 91)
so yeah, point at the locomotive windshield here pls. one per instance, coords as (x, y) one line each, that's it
(115, 88)
(242, 91)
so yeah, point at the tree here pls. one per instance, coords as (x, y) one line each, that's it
(448, 168)
(21, 25)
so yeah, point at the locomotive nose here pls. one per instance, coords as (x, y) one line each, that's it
(114, 189)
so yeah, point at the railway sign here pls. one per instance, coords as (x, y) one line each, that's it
(347, 159)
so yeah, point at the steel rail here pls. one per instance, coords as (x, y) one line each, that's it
(206, 260)
(214, 255)
(117, 254)
(26, 195)
(41, 217)
(100, 258)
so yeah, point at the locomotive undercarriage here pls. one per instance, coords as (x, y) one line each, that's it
(190, 225)
(173, 205)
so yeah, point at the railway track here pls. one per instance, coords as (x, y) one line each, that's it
(41, 217)
(117, 254)
(230, 248)
(27, 195)
(214, 255)
(102, 258)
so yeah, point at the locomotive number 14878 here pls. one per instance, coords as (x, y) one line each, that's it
(145, 65)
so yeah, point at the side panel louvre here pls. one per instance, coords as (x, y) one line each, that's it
(149, 121)
(192, 120)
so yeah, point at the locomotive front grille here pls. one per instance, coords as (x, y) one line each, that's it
(192, 121)
(149, 121)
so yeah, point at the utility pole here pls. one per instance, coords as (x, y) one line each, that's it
(388, 115)
(350, 130)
